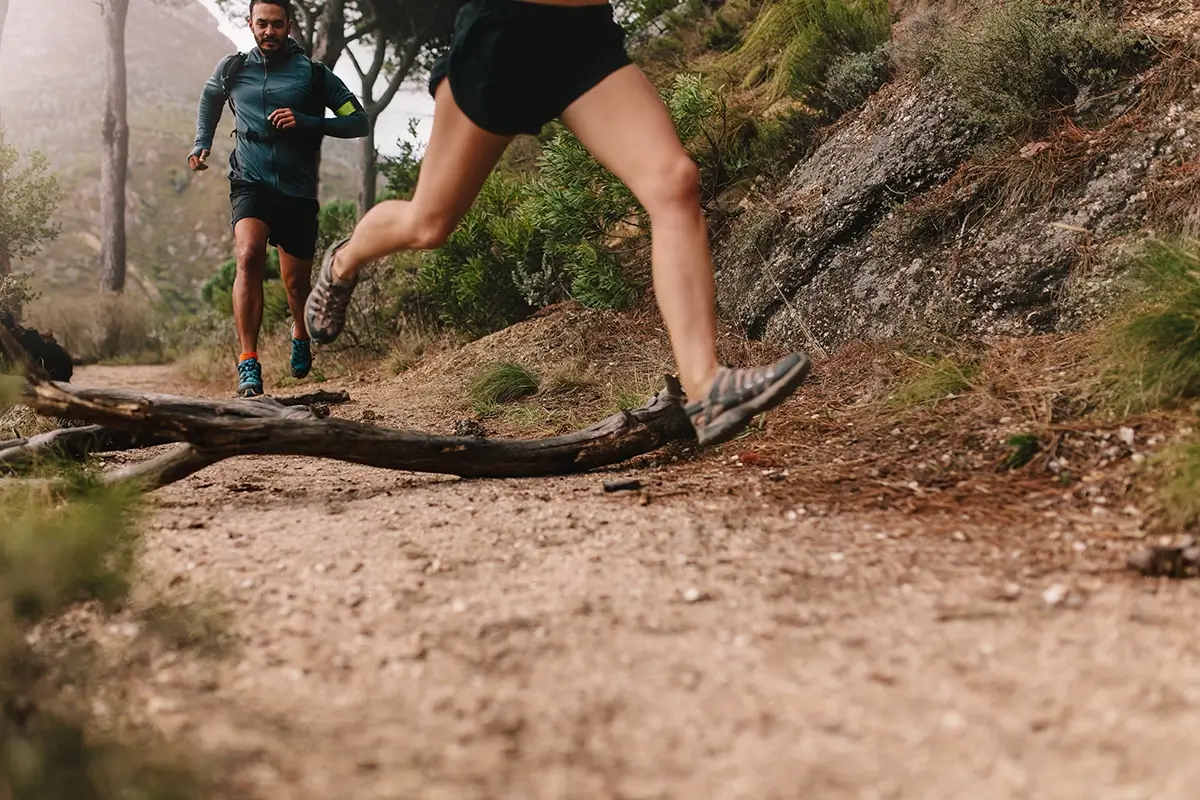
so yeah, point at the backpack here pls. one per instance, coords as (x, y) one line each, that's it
(234, 64)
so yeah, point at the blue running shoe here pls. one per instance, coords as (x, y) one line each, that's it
(250, 383)
(301, 357)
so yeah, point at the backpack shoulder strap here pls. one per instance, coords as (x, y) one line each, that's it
(229, 69)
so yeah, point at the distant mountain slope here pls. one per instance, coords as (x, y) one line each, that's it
(51, 94)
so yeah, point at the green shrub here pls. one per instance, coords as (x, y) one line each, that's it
(856, 76)
(792, 43)
(401, 170)
(29, 196)
(15, 293)
(527, 243)
(335, 221)
(469, 281)
(722, 34)
(1023, 58)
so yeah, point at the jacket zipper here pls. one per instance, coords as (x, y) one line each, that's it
(270, 137)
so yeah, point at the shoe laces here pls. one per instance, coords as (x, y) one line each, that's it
(249, 370)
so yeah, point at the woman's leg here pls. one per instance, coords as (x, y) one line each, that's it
(459, 158)
(624, 124)
(622, 121)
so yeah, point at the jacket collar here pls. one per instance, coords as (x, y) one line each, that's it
(290, 49)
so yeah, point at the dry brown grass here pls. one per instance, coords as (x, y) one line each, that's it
(1173, 197)
(1043, 170)
(592, 363)
(99, 328)
(1019, 439)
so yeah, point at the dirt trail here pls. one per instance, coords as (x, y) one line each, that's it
(408, 636)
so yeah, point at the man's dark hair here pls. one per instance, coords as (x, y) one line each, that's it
(284, 4)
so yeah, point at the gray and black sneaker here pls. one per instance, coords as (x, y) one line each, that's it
(325, 310)
(738, 395)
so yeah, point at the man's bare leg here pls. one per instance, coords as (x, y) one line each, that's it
(250, 246)
(459, 158)
(624, 124)
(297, 281)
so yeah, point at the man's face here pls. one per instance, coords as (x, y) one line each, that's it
(271, 27)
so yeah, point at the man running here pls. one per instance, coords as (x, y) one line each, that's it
(278, 97)
(513, 66)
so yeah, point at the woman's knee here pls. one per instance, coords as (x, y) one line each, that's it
(430, 231)
(674, 186)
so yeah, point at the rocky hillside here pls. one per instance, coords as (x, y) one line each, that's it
(906, 216)
(51, 94)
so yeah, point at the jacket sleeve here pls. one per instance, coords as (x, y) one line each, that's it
(212, 103)
(350, 120)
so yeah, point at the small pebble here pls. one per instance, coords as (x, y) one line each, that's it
(1055, 594)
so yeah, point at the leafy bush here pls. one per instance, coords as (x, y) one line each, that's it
(335, 221)
(29, 195)
(15, 294)
(856, 76)
(527, 243)
(401, 170)
(1022, 58)
(470, 279)
(722, 35)
(792, 43)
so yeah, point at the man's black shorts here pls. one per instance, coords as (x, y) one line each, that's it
(514, 66)
(292, 221)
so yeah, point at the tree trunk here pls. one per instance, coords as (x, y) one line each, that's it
(3, 14)
(115, 161)
(370, 172)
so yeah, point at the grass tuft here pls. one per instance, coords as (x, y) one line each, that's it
(501, 383)
(1179, 492)
(934, 380)
(1152, 358)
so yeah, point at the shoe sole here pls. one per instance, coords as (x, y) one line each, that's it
(316, 334)
(734, 420)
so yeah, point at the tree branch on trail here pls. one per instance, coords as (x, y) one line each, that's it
(213, 430)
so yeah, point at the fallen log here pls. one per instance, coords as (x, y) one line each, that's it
(76, 444)
(218, 429)
(72, 443)
(212, 430)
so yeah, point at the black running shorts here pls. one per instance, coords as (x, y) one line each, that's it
(292, 221)
(513, 66)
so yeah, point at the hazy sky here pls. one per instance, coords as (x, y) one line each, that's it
(411, 101)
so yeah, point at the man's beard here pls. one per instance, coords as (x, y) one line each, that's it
(278, 42)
